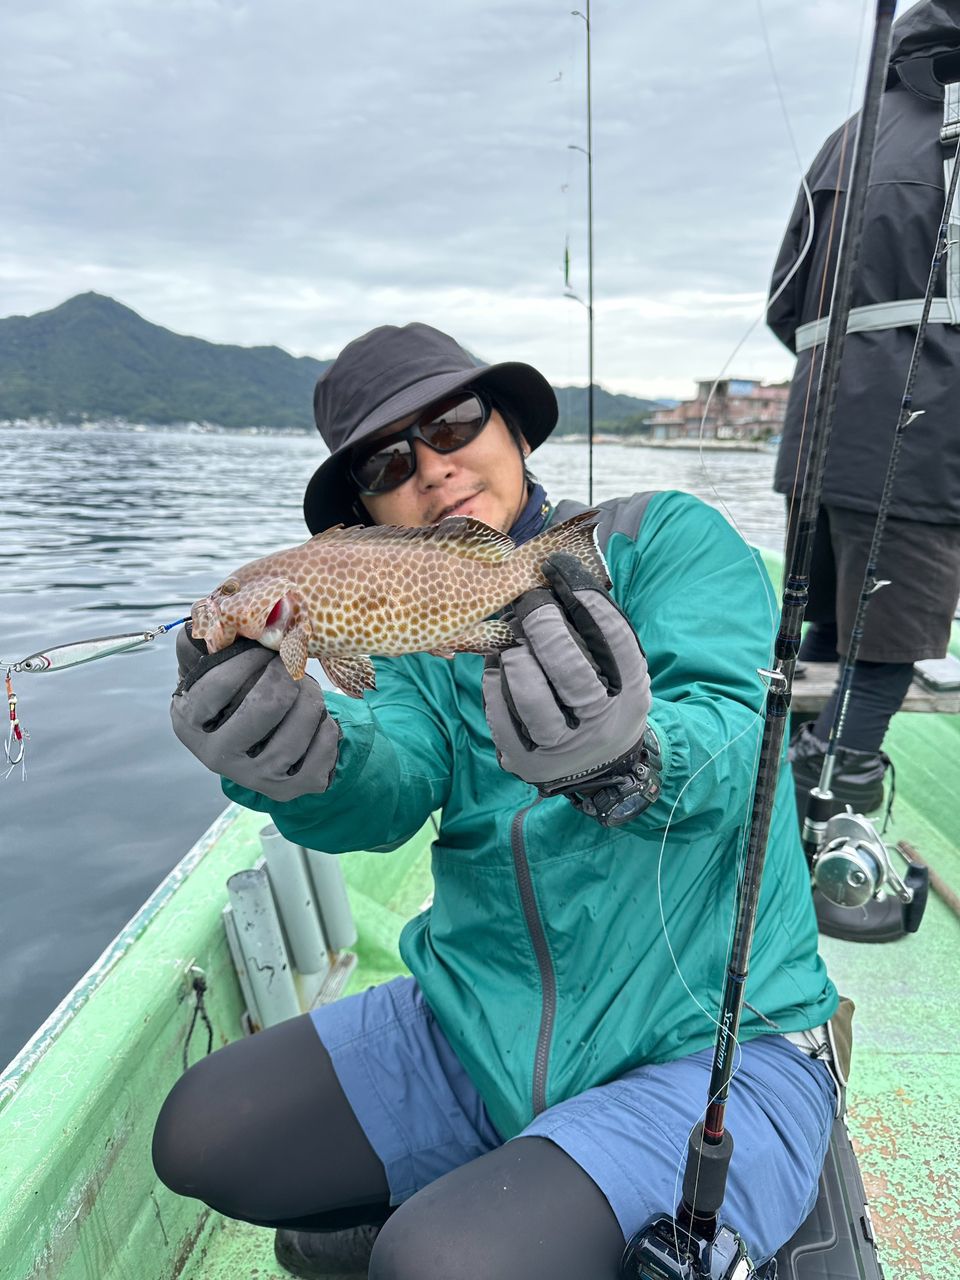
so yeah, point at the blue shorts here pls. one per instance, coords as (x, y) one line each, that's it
(423, 1117)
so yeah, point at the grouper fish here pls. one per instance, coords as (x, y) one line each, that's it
(350, 593)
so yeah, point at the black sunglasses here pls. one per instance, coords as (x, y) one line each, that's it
(379, 465)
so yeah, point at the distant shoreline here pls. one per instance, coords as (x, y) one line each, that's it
(121, 424)
(707, 445)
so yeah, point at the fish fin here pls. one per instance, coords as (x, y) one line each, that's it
(578, 537)
(461, 535)
(294, 650)
(473, 539)
(350, 675)
(327, 535)
(485, 637)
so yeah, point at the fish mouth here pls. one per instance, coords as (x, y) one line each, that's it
(207, 625)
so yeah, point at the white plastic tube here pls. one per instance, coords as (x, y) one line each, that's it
(331, 891)
(262, 947)
(295, 897)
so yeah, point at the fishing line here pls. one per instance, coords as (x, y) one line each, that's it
(59, 658)
(783, 657)
(739, 863)
(906, 415)
(811, 214)
(815, 367)
(769, 594)
(767, 587)
(76, 652)
(842, 177)
(775, 296)
(797, 574)
(795, 486)
(815, 820)
(758, 716)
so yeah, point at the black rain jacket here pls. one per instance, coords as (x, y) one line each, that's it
(903, 212)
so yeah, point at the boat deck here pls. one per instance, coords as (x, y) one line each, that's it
(820, 678)
(904, 1097)
(81, 1203)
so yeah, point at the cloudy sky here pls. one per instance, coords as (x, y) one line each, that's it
(298, 171)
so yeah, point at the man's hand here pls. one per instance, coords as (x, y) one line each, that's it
(574, 694)
(242, 715)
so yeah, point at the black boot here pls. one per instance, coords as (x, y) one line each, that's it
(317, 1255)
(857, 775)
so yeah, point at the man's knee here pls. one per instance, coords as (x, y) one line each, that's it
(525, 1211)
(417, 1243)
(182, 1131)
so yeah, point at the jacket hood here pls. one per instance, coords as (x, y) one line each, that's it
(929, 28)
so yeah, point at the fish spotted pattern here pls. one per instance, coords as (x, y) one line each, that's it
(350, 593)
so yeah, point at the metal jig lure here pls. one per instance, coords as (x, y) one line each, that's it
(58, 659)
(71, 655)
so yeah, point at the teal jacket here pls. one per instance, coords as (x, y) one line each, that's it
(557, 954)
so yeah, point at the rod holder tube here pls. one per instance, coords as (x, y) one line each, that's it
(332, 899)
(262, 945)
(239, 964)
(295, 897)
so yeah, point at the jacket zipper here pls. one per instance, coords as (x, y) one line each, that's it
(548, 981)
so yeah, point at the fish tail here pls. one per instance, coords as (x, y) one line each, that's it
(577, 537)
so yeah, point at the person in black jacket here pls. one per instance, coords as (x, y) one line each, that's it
(910, 618)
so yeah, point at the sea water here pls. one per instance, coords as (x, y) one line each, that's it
(106, 530)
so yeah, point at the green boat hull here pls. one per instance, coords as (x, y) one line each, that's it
(77, 1107)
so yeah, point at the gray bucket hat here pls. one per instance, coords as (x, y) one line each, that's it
(391, 372)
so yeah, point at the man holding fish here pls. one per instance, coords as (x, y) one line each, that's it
(520, 1106)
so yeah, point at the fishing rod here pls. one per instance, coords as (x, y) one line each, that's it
(568, 292)
(849, 862)
(58, 659)
(692, 1244)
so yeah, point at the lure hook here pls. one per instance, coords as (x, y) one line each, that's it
(14, 747)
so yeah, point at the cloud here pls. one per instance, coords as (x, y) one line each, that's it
(298, 172)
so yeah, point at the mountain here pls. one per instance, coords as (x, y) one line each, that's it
(93, 358)
(612, 414)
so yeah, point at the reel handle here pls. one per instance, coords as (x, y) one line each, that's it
(917, 879)
(879, 920)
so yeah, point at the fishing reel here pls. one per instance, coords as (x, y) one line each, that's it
(664, 1251)
(693, 1245)
(858, 893)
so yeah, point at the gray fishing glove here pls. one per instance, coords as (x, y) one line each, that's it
(242, 715)
(567, 706)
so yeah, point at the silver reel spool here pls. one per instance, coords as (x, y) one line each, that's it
(852, 864)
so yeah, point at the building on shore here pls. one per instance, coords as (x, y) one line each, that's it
(739, 409)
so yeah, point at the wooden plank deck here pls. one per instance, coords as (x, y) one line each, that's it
(811, 690)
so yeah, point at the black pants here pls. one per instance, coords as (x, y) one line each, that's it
(262, 1131)
(908, 618)
(911, 617)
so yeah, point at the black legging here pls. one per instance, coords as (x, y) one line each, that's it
(878, 687)
(262, 1131)
(877, 692)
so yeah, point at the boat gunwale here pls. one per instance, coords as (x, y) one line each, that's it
(49, 1031)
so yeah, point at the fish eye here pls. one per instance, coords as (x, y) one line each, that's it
(230, 587)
